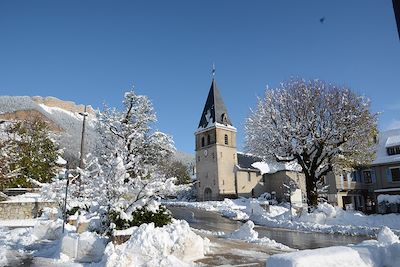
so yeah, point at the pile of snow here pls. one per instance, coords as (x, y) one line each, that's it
(172, 245)
(85, 247)
(247, 233)
(12, 244)
(385, 252)
(50, 230)
(395, 199)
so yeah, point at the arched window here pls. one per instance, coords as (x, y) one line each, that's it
(202, 141)
(223, 119)
(208, 139)
(226, 139)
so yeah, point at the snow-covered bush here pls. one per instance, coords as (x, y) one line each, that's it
(159, 216)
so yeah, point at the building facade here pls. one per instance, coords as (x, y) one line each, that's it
(361, 188)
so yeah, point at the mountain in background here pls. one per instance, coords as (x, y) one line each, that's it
(64, 121)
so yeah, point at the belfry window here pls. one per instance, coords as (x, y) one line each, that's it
(208, 139)
(202, 141)
(226, 139)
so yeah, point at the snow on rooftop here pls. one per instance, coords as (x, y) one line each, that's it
(393, 141)
(273, 166)
(387, 139)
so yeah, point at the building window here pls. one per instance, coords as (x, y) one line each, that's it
(249, 176)
(395, 174)
(208, 139)
(394, 150)
(213, 155)
(198, 158)
(223, 182)
(344, 175)
(202, 141)
(214, 181)
(367, 177)
(226, 139)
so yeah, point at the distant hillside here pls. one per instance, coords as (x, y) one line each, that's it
(63, 120)
(62, 117)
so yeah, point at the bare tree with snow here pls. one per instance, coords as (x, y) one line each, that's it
(320, 126)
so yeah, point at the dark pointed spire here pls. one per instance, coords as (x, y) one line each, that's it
(214, 109)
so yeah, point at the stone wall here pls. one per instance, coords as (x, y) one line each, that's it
(22, 210)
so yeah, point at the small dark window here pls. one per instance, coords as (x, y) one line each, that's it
(202, 141)
(394, 150)
(226, 139)
(249, 176)
(395, 174)
(344, 177)
(208, 139)
(367, 177)
(198, 158)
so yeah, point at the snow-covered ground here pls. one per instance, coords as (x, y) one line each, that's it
(384, 252)
(326, 219)
(45, 244)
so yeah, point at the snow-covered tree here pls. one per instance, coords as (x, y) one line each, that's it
(132, 153)
(7, 159)
(320, 126)
(128, 135)
(34, 153)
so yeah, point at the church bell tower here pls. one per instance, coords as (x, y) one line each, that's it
(216, 156)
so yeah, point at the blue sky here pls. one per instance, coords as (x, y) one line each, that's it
(92, 51)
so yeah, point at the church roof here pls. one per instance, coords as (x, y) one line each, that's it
(245, 161)
(214, 109)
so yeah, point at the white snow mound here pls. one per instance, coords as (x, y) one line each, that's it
(171, 245)
(371, 253)
(245, 232)
(50, 230)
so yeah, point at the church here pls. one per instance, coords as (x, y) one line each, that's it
(221, 171)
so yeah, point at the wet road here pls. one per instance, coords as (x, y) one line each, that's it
(212, 221)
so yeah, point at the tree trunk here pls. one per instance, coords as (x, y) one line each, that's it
(311, 191)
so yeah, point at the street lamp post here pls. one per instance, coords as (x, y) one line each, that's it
(65, 198)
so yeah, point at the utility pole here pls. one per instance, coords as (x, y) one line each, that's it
(65, 198)
(84, 114)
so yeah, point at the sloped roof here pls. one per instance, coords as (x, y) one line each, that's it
(245, 161)
(214, 109)
(386, 139)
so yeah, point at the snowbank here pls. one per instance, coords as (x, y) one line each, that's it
(85, 247)
(382, 253)
(172, 245)
(50, 230)
(325, 219)
(247, 233)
